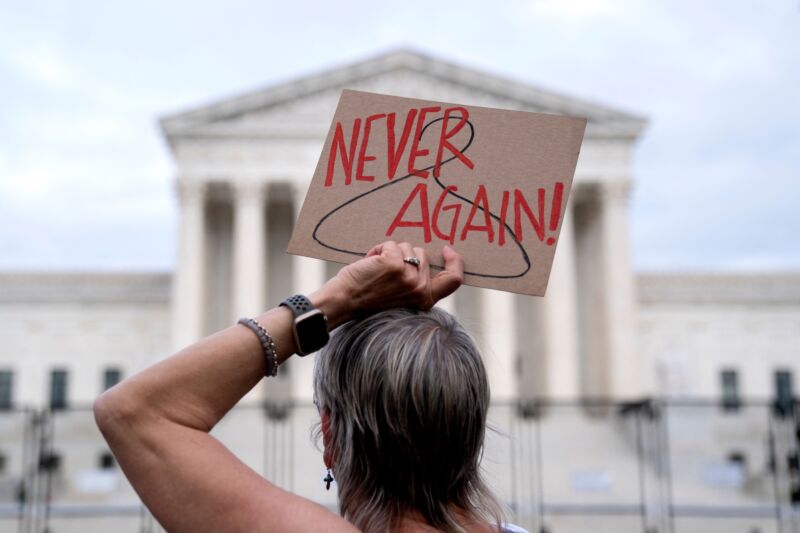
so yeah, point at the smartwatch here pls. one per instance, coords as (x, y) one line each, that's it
(310, 326)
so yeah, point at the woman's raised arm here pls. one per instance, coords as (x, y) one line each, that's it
(157, 421)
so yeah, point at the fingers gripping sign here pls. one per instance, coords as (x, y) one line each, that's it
(448, 280)
(384, 279)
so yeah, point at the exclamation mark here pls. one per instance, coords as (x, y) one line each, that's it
(555, 211)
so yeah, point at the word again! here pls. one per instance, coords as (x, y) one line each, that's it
(453, 121)
(480, 218)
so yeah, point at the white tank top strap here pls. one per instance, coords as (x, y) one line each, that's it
(512, 528)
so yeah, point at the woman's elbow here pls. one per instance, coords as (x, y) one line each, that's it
(112, 411)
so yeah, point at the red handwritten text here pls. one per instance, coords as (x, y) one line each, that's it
(344, 151)
(481, 218)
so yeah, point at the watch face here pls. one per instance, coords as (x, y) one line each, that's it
(312, 331)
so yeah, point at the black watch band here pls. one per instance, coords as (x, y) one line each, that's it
(310, 327)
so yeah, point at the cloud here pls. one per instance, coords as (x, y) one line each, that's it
(42, 64)
(572, 10)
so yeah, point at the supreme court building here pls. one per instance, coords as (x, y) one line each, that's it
(243, 166)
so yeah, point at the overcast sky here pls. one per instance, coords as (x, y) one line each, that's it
(85, 178)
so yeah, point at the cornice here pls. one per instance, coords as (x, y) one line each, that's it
(139, 287)
(84, 287)
(717, 288)
(604, 121)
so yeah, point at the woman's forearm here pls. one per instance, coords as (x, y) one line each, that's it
(199, 384)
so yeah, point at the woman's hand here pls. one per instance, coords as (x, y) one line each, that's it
(383, 280)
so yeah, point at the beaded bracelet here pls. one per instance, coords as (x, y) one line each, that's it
(268, 345)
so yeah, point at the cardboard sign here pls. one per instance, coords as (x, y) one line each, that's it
(491, 183)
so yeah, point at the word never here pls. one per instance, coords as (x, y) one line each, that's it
(395, 149)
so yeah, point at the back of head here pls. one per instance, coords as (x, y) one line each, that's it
(407, 396)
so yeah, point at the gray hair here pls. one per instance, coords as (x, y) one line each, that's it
(407, 396)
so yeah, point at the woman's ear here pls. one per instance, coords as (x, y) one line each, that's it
(327, 452)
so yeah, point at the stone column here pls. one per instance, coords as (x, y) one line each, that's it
(188, 283)
(610, 363)
(557, 321)
(594, 371)
(249, 249)
(500, 343)
(619, 302)
(309, 275)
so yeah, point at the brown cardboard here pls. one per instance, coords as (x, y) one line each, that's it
(512, 171)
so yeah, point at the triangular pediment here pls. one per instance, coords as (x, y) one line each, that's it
(306, 105)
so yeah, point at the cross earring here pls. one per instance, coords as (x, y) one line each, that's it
(328, 479)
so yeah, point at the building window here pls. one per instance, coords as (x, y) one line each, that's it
(58, 389)
(738, 458)
(729, 382)
(49, 461)
(784, 390)
(106, 461)
(111, 376)
(6, 389)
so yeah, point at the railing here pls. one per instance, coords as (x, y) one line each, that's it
(653, 466)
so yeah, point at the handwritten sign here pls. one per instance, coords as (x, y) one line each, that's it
(491, 183)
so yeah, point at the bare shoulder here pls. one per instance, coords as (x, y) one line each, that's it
(279, 510)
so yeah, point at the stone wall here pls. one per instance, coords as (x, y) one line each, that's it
(693, 326)
(82, 323)
(690, 328)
